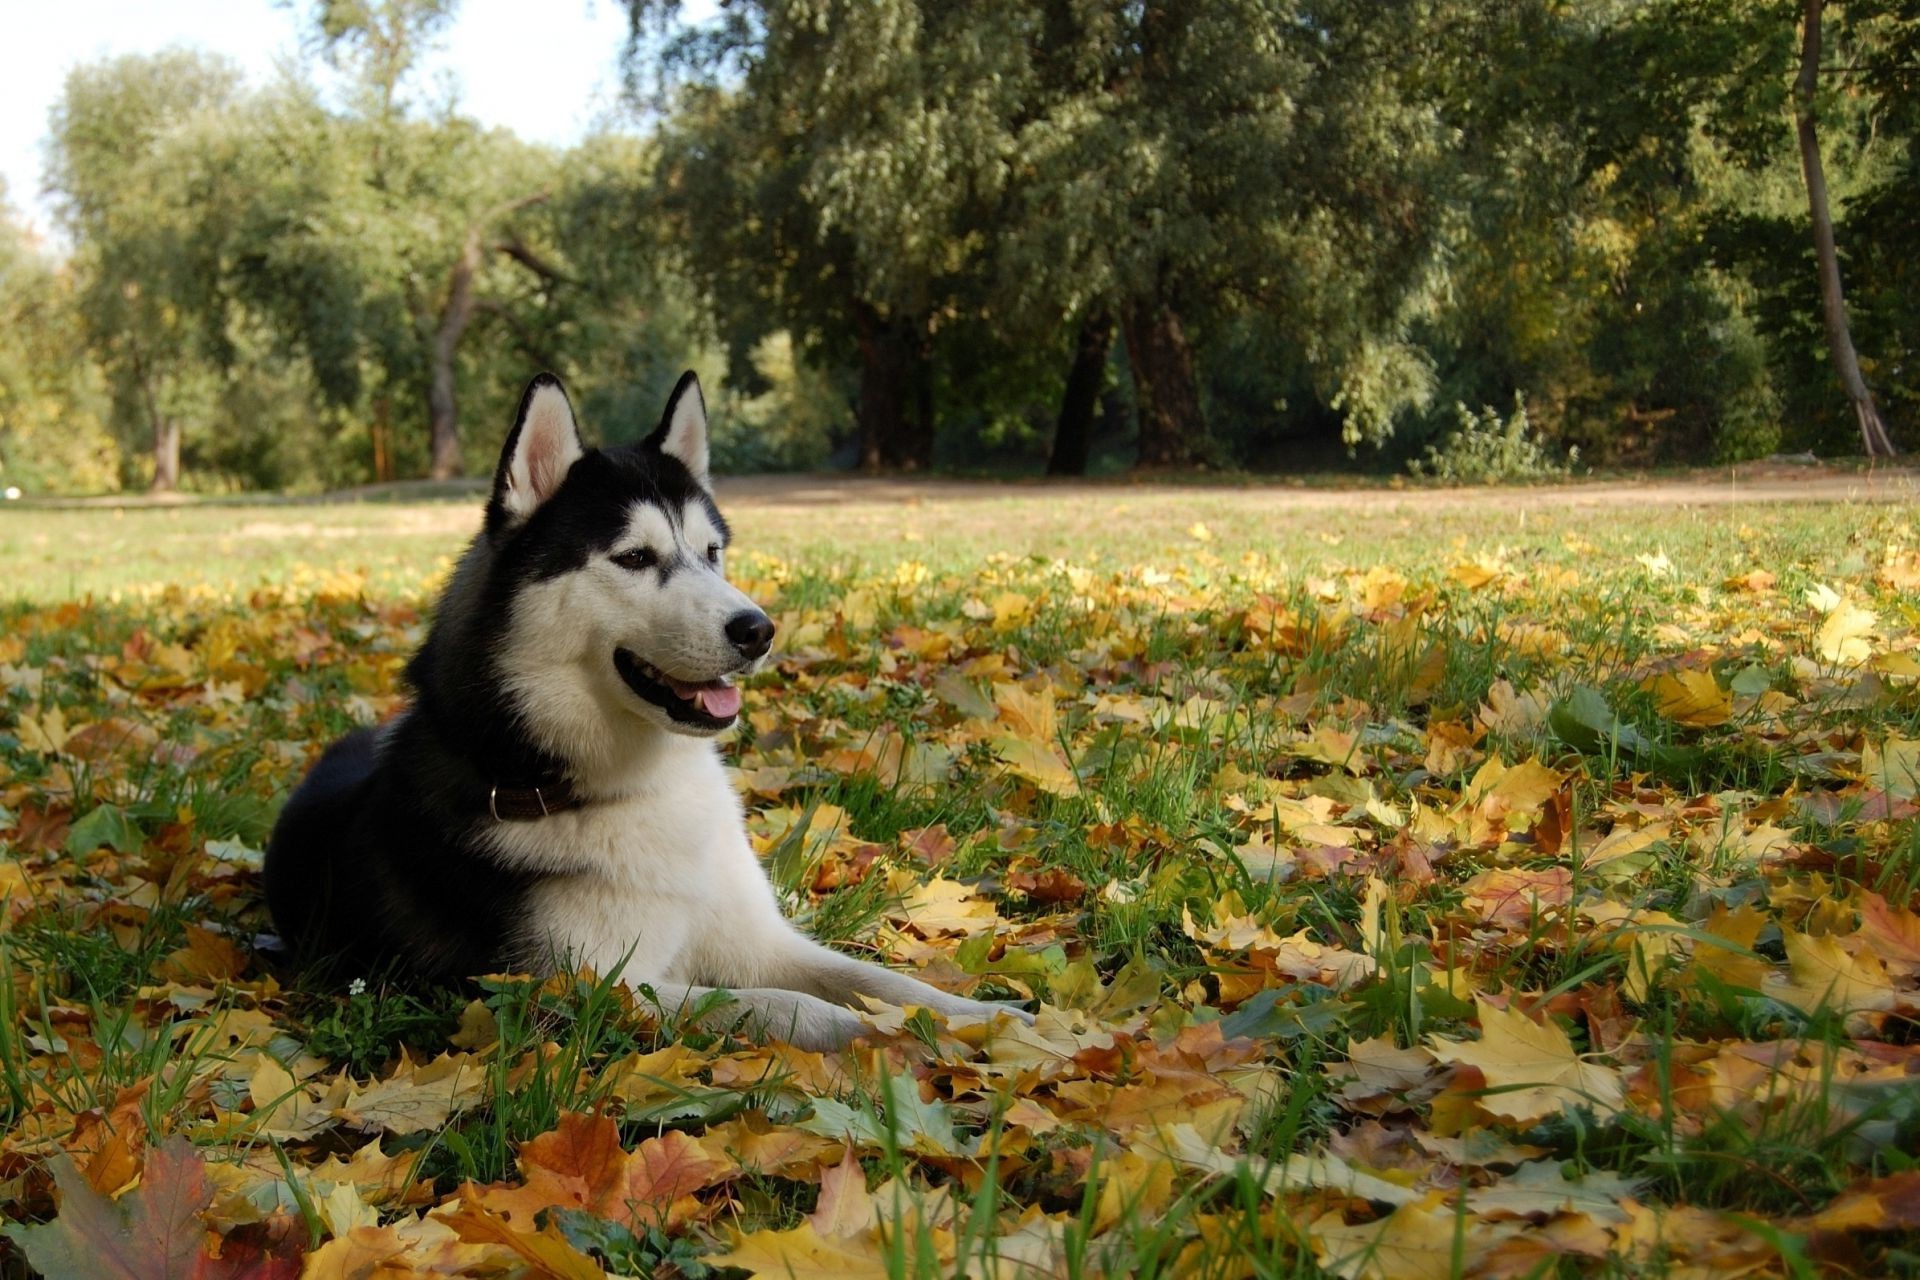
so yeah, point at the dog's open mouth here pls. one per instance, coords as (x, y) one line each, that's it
(711, 705)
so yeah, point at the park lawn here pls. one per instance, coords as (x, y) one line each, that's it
(1484, 888)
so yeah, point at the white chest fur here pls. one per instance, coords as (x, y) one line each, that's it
(652, 883)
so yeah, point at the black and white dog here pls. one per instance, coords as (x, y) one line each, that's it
(553, 796)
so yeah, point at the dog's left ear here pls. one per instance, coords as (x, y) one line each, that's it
(682, 432)
(542, 447)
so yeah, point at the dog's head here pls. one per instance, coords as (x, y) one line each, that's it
(614, 568)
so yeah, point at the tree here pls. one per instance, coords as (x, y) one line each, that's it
(877, 176)
(53, 404)
(440, 189)
(1873, 433)
(834, 173)
(148, 294)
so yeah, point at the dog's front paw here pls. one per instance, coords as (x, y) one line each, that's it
(963, 1007)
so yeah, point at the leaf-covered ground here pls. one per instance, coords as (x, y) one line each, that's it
(1400, 896)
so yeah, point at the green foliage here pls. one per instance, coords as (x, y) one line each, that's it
(1310, 229)
(54, 432)
(1488, 448)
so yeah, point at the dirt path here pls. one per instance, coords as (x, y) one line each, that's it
(1756, 483)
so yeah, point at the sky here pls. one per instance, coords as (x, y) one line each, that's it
(548, 77)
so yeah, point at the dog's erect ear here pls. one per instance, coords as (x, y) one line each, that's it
(542, 447)
(682, 432)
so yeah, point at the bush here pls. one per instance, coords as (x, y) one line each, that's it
(1487, 448)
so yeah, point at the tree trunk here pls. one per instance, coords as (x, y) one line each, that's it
(895, 410)
(1873, 433)
(166, 454)
(1073, 435)
(443, 414)
(1172, 426)
(166, 431)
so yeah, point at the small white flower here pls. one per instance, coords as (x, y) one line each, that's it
(358, 987)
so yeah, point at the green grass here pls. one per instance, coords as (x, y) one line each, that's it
(1235, 635)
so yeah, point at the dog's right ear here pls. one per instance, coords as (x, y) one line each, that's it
(542, 447)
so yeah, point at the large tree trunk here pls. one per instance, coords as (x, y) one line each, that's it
(1073, 434)
(1172, 426)
(166, 454)
(166, 430)
(1873, 433)
(443, 413)
(895, 410)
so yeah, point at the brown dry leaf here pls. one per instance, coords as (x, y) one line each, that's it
(1891, 1203)
(1377, 1072)
(1891, 933)
(546, 1251)
(422, 1246)
(759, 1146)
(581, 1165)
(845, 1208)
(108, 1145)
(1518, 897)
(207, 958)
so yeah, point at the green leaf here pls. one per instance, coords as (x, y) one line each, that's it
(106, 825)
(926, 1127)
(1584, 721)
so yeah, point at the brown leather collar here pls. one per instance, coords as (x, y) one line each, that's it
(530, 804)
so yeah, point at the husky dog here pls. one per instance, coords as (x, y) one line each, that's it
(553, 796)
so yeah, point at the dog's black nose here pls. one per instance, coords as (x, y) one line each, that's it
(751, 633)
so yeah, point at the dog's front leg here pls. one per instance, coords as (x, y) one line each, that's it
(801, 1019)
(806, 966)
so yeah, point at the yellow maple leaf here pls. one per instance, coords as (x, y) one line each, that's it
(1531, 1068)
(942, 907)
(801, 1254)
(1421, 1240)
(1692, 697)
(1726, 951)
(1037, 762)
(1026, 714)
(1843, 635)
(46, 734)
(1893, 766)
(415, 1098)
(1823, 975)
(1524, 786)
(1511, 713)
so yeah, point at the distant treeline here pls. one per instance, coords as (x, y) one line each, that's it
(1000, 235)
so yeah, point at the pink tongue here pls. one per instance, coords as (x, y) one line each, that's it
(719, 701)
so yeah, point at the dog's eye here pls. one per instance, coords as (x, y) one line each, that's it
(713, 553)
(636, 558)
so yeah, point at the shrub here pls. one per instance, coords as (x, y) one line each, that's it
(1487, 448)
